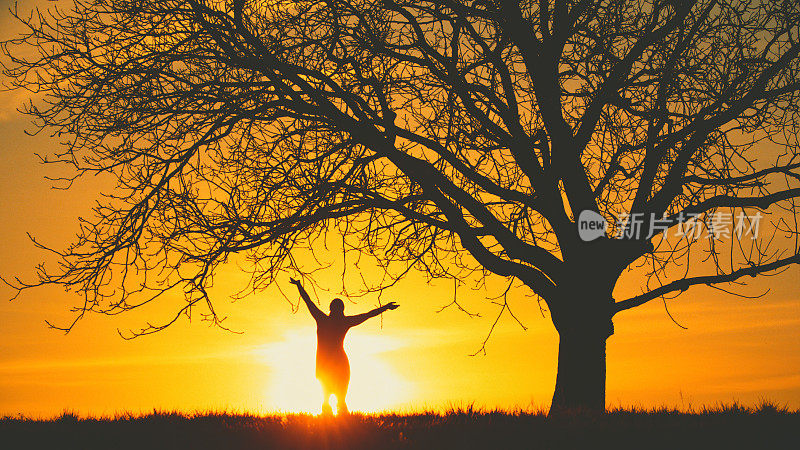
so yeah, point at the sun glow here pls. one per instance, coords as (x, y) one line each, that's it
(374, 385)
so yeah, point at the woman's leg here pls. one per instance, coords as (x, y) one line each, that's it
(326, 398)
(341, 391)
(341, 402)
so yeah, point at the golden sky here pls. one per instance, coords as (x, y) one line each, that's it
(416, 357)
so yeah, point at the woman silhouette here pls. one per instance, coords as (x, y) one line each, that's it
(333, 368)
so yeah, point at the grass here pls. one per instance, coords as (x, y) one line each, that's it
(727, 426)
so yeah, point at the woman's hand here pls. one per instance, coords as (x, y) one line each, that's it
(294, 281)
(391, 305)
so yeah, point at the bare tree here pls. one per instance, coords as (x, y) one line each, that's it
(449, 137)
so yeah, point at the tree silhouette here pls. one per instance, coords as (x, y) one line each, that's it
(450, 137)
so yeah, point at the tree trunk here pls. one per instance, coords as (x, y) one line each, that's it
(581, 378)
(582, 311)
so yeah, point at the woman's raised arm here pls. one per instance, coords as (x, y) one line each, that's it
(316, 313)
(361, 318)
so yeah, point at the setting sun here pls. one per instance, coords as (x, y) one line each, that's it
(374, 385)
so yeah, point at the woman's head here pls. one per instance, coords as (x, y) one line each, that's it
(337, 307)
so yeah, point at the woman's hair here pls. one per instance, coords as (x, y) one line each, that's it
(337, 306)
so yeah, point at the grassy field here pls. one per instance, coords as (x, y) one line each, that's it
(724, 427)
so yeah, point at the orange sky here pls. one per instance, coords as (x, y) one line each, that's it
(733, 349)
